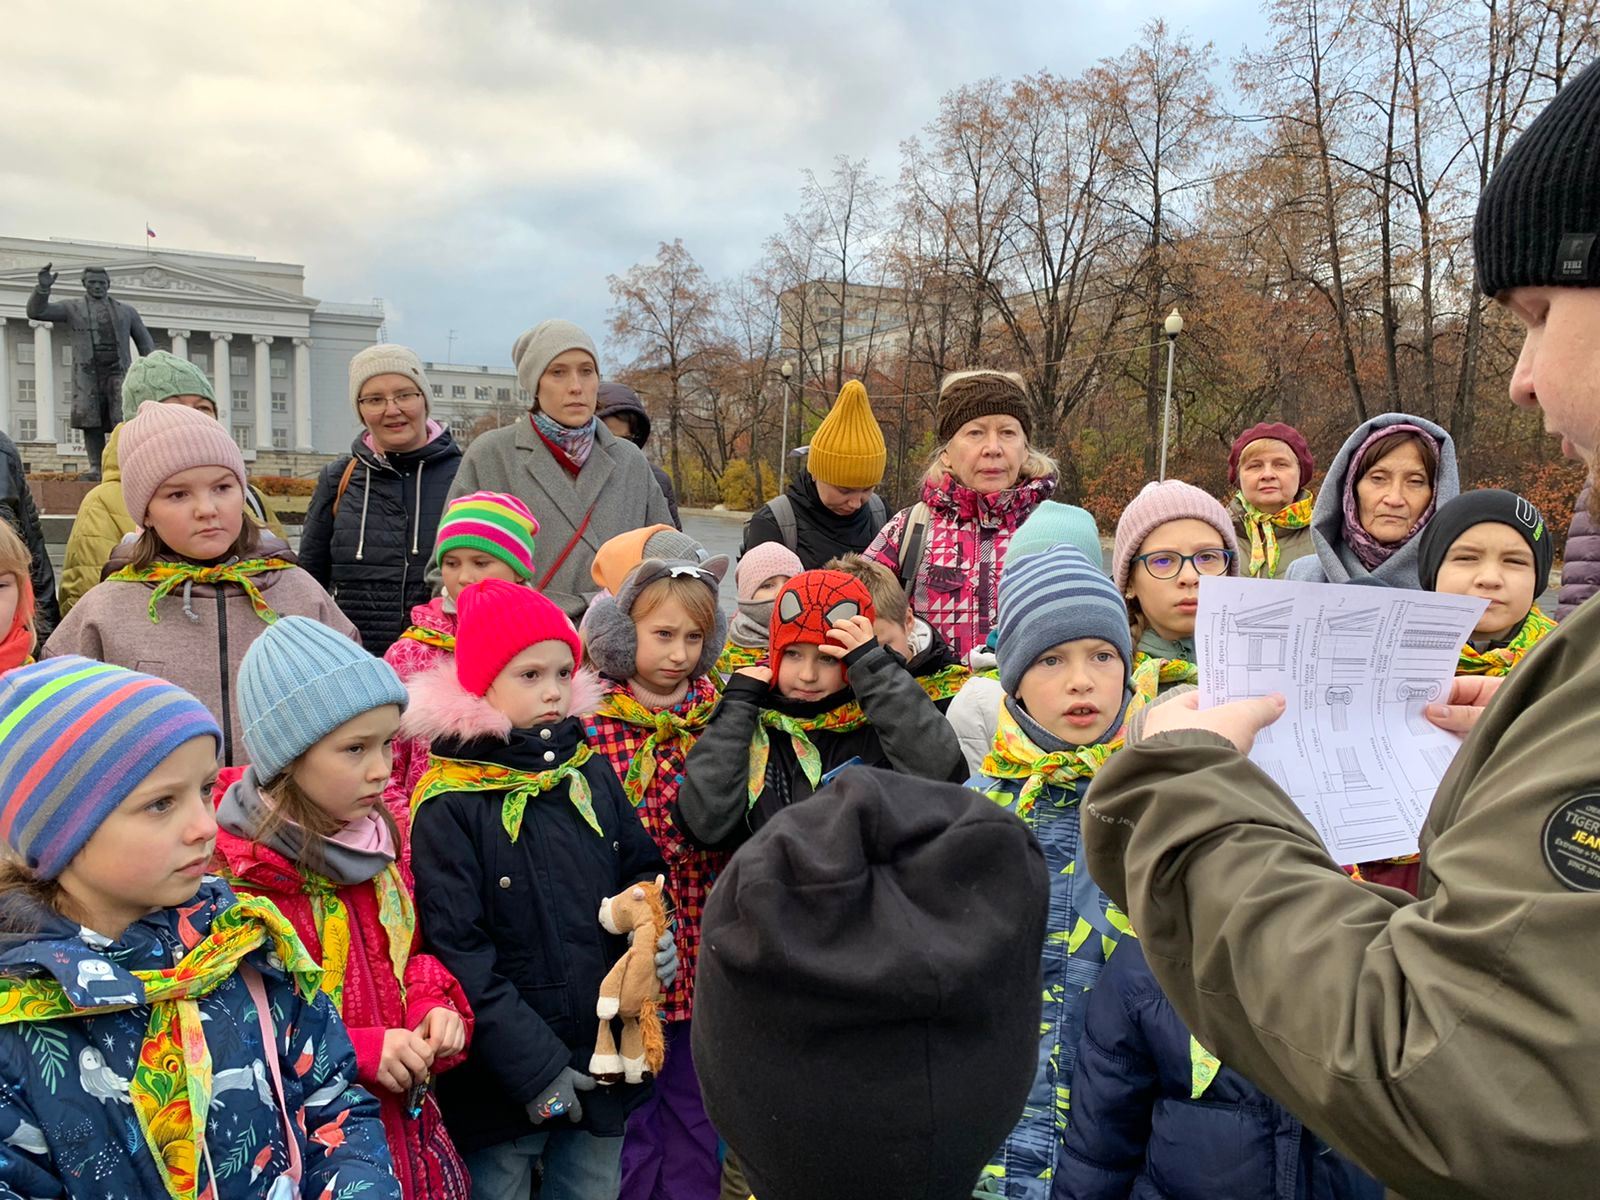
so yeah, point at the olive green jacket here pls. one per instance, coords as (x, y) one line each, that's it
(1451, 1044)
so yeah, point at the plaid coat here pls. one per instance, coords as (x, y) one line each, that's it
(690, 870)
(957, 585)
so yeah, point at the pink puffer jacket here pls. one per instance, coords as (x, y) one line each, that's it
(957, 587)
(410, 657)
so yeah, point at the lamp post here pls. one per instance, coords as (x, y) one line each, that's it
(1173, 326)
(787, 371)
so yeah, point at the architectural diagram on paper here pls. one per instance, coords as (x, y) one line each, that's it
(1357, 665)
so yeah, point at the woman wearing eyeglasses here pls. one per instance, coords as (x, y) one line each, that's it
(1388, 479)
(369, 531)
(1167, 538)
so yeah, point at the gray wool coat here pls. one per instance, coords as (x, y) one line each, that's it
(615, 489)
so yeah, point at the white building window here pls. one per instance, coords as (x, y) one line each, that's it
(238, 367)
(481, 393)
(241, 401)
(280, 402)
(245, 436)
(200, 360)
(28, 429)
(280, 439)
(25, 392)
(69, 435)
(522, 395)
(66, 355)
(280, 369)
(503, 395)
(458, 391)
(438, 391)
(25, 352)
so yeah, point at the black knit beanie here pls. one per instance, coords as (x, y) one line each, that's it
(1539, 219)
(867, 1004)
(1474, 508)
(967, 395)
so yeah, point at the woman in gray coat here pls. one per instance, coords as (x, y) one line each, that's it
(583, 483)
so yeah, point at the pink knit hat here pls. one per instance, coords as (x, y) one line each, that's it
(760, 563)
(164, 439)
(497, 524)
(1158, 503)
(496, 621)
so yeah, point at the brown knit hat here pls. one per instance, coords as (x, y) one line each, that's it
(967, 395)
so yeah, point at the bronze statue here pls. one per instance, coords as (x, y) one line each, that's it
(101, 328)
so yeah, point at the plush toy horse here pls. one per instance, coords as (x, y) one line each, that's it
(631, 991)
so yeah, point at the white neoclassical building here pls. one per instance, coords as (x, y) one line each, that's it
(277, 358)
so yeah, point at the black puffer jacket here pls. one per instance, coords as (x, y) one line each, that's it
(820, 533)
(16, 505)
(373, 556)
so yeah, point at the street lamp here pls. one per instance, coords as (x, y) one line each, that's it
(787, 371)
(1173, 326)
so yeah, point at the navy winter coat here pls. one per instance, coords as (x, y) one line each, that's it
(372, 557)
(1140, 1131)
(67, 1126)
(518, 925)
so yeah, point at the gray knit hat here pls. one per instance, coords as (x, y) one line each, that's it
(536, 349)
(386, 358)
(610, 637)
(160, 376)
(300, 681)
(1057, 596)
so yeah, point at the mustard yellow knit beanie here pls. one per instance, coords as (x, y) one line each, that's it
(848, 449)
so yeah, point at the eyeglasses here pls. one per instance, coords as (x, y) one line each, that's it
(1168, 564)
(400, 399)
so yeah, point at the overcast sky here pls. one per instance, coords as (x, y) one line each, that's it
(484, 164)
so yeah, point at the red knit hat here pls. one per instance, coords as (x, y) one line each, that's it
(496, 621)
(1287, 434)
(809, 604)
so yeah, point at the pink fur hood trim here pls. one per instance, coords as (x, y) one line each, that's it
(441, 708)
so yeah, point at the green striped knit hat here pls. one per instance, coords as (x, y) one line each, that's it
(493, 522)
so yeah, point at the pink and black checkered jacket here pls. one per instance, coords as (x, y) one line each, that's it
(957, 586)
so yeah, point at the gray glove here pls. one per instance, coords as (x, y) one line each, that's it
(561, 1097)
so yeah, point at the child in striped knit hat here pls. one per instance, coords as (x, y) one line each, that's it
(482, 535)
(159, 1035)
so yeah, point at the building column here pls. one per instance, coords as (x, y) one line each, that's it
(222, 376)
(302, 395)
(5, 386)
(44, 384)
(263, 391)
(180, 342)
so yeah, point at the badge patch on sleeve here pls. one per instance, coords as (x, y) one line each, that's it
(1572, 843)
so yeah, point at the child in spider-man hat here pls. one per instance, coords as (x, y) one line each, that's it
(831, 698)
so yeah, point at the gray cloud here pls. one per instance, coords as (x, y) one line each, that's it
(485, 164)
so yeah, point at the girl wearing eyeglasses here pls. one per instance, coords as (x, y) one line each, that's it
(1170, 536)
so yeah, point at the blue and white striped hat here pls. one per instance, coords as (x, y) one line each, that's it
(1056, 596)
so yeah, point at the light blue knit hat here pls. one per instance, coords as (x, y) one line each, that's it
(1057, 596)
(1055, 524)
(300, 681)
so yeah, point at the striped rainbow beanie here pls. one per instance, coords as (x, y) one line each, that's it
(76, 737)
(493, 522)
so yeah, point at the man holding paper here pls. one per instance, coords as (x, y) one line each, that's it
(1451, 1044)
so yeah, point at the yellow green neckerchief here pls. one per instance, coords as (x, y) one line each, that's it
(465, 775)
(844, 719)
(945, 682)
(171, 1084)
(168, 575)
(1167, 670)
(1499, 661)
(1260, 527)
(733, 658)
(431, 637)
(668, 728)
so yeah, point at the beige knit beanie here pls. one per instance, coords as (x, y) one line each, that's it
(386, 358)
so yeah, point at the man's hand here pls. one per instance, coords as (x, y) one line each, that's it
(47, 277)
(1239, 722)
(1469, 696)
(850, 634)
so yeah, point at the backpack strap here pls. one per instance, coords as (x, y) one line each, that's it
(344, 482)
(269, 1041)
(782, 509)
(914, 544)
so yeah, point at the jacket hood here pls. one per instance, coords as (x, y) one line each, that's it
(110, 465)
(271, 546)
(94, 971)
(619, 400)
(1337, 559)
(432, 615)
(441, 708)
(856, 529)
(956, 501)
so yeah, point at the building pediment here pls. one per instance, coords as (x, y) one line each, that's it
(139, 279)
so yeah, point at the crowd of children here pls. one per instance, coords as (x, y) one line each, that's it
(293, 920)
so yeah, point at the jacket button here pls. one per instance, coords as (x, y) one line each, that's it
(549, 756)
(505, 881)
(544, 734)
